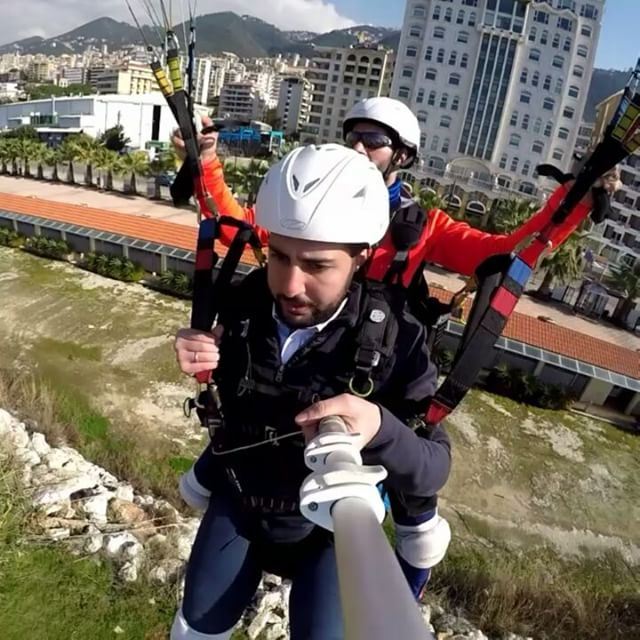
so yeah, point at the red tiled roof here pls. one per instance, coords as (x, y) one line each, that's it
(520, 327)
(563, 341)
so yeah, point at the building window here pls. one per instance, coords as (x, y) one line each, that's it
(420, 96)
(445, 145)
(563, 133)
(567, 44)
(558, 62)
(419, 11)
(455, 103)
(472, 19)
(423, 140)
(407, 72)
(403, 92)
(453, 58)
(582, 50)
(589, 11)
(558, 154)
(526, 167)
(503, 161)
(514, 119)
(568, 112)
(525, 97)
(573, 92)
(541, 16)
(566, 24)
(544, 37)
(428, 54)
(444, 100)
(415, 32)
(436, 13)
(534, 55)
(460, 18)
(514, 140)
(555, 43)
(548, 104)
(548, 129)
(578, 71)
(559, 85)
(448, 14)
(435, 143)
(440, 56)
(445, 122)
(537, 125)
(525, 121)
(430, 74)
(537, 147)
(438, 33)
(431, 100)
(535, 79)
(463, 37)
(532, 38)
(464, 61)
(585, 31)
(546, 85)
(514, 164)
(524, 75)
(454, 79)
(411, 52)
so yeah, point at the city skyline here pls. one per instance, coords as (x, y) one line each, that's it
(617, 49)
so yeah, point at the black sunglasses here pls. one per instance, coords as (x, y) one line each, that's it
(369, 139)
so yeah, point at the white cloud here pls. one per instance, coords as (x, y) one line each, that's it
(49, 18)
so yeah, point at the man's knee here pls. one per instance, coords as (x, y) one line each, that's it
(183, 629)
(423, 545)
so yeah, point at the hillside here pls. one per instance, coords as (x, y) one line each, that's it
(604, 82)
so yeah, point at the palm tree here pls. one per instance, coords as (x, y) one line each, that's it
(109, 161)
(86, 150)
(563, 265)
(507, 215)
(134, 163)
(27, 150)
(5, 155)
(68, 152)
(233, 175)
(626, 279)
(429, 199)
(252, 176)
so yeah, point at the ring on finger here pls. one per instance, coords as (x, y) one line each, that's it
(195, 356)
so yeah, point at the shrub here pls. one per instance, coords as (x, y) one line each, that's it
(115, 267)
(176, 282)
(48, 247)
(11, 238)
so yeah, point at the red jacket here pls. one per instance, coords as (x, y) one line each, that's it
(454, 245)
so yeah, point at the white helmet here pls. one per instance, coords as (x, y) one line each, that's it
(327, 193)
(388, 112)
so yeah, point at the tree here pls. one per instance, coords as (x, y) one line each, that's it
(252, 176)
(429, 199)
(114, 139)
(109, 161)
(626, 279)
(507, 215)
(134, 163)
(25, 131)
(563, 265)
(84, 149)
(46, 90)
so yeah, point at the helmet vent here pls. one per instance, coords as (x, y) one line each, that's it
(311, 184)
(361, 194)
(296, 183)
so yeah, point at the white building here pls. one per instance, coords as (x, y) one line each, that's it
(294, 103)
(342, 77)
(499, 86)
(144, 118)
(241, 100)
(9, 91)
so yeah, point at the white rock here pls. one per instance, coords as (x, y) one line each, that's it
(165, 572)
(58, 533)
(258, 624)
(56, 459)
(93, 543)
(26, 476)
(39, 444)
(134, 552)
(96, 508)
(18, 437)
(183, 546)
(7, 422)
(27, 456)
(143, 501)
(57, 507)
(270, 601)
(276, 631)
(115, 543)
(62, 491)
(128, 572)
(271, 580)
(125, 492)
(425, 610)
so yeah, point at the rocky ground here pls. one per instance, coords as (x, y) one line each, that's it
(82, 506)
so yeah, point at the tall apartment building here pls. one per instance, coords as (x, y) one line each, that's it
(499, 86)
(134, 78)
(241, 100)
(341, 77)
(294, 103)
(617, 239)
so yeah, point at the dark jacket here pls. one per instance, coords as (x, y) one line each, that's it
(261, 397)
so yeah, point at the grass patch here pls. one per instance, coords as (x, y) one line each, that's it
(150, 463)
(535, 593)
(70, 350)
(45, 592)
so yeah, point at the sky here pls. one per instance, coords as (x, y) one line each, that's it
(619, 45)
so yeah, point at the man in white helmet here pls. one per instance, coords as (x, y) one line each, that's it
(286, 353)
(387, 132)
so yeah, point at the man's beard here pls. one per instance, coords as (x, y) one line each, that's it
(312, 314)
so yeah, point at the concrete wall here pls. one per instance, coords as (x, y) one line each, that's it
(596, 392)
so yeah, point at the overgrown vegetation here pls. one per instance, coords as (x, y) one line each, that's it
(176, 282)
(114, 267)
(10, 238)
(47, 247)
(527, 388)
(45, 592)
(537, 594)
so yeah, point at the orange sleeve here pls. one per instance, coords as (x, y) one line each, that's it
(218, 196)
(460, 248)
